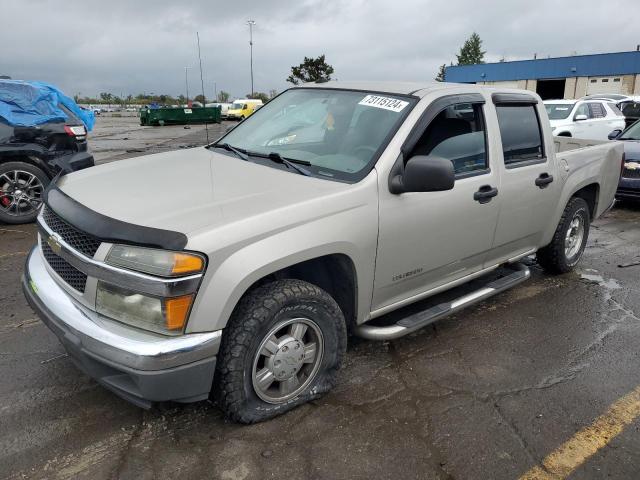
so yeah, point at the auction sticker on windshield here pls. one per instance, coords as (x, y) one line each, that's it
(387, 103)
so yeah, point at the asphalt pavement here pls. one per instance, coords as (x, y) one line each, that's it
(503, 390)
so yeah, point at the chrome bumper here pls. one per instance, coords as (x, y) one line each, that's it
(141, 367)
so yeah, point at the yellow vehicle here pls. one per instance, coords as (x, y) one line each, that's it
(241, 109)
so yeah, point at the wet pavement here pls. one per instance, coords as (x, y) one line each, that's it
(485, 394)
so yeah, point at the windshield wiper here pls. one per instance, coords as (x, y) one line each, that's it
(231, 148)
(290, 163)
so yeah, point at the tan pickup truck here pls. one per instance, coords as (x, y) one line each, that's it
(237, 270)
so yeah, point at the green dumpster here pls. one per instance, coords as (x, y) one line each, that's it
(180, 116)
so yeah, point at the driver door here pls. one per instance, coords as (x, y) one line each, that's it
(430, 239)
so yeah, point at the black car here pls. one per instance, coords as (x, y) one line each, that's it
(629, 186)
(31, 156)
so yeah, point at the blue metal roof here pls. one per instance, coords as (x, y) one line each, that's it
(602, 64)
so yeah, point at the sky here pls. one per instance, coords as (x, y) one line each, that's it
(142, 46)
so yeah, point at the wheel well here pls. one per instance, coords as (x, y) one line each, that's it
(31, 160)
(590, 195)
(564, 134)
(334, 273)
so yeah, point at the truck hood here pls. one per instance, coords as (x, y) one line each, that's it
(188, 190)
(559, 123)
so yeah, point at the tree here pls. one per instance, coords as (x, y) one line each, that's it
(223, 97)
(273, 93)
(259, 96)
(471, 52)
(311, 70)
(106, 97)
(199, 98)
(441, 73)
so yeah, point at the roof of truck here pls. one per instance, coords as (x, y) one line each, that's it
(418, 89)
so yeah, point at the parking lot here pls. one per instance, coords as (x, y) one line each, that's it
(496, 391)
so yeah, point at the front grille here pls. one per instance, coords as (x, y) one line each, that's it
(628, 173)
(85, 244)
(71, 275)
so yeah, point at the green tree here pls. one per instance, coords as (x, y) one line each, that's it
(441, 73)
(311, 70)
(259, 96)
(223, 97)
(199, 98)
(471, 52)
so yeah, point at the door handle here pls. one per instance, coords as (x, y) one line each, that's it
(544, 180)
(485, 194)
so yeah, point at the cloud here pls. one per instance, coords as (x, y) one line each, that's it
(143, 46)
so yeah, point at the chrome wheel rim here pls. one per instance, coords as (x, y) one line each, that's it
(574, 236)
(287, 360)
(20, 193)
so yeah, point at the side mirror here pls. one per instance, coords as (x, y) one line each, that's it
(615, 134)
(579, 118)
(424, 173)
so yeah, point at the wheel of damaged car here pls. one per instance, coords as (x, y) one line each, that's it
(283, 347)
(569, 240)
(22, 186)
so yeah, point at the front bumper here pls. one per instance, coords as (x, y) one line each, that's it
(629, 188)
(138, 366)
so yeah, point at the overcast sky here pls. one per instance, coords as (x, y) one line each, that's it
(129, 47)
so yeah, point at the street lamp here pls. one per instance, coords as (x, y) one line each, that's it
(251, 23)
(186, 82)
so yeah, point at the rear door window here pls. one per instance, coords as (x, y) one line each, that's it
(520, 133)
(597, 110)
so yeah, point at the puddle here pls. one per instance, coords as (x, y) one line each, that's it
(611, 284)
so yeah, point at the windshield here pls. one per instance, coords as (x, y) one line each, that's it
(337, 133)
(631, 133)
(558, 111)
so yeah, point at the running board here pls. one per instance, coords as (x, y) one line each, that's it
(426, 317)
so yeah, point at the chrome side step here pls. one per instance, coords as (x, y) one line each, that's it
(426, 317)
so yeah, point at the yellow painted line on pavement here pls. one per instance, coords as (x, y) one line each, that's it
(586, 442)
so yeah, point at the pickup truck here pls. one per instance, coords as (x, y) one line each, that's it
(236, 271)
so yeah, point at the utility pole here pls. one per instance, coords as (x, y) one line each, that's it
(186, 82)
(215, 91)
(251, 23)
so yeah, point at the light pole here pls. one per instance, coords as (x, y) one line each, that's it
(251, 23)
(186, 82)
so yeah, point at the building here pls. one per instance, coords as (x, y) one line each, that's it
(562, 77)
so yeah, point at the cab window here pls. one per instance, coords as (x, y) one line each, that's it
(457, 133)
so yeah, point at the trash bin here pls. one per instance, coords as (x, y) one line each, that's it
(180, 116)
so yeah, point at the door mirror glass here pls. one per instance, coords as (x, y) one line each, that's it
(615, 134)
(424, 173)
(579, 118)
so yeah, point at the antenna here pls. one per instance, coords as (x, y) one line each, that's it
(204, 100)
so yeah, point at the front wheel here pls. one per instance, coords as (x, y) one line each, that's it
(283, 347)
(569, 239)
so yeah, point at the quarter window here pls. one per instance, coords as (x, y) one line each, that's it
(457, 134)
(520, 132)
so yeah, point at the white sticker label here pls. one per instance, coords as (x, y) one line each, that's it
(187, 110)
(386, 103)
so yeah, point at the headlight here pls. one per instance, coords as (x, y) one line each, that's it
(162, 315)
(155, 262)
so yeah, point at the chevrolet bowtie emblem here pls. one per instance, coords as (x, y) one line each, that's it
(54, 243)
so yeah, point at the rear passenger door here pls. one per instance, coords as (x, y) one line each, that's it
(528, 177)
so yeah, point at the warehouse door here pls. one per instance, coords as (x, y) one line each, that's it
(597, 85)
(551, 89)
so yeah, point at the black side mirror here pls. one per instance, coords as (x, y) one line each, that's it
(424, 173)
(615, 134)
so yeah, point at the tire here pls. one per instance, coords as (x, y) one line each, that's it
(241, 362)
(559, 256)
(25, 210)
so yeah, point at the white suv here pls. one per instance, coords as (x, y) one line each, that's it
(589, 119)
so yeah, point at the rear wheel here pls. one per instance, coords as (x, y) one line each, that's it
(21, 189)
(569, 240)
(283, 347)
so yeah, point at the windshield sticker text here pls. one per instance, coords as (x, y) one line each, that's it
(386, 103)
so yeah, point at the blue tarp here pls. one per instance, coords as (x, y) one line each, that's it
(27, 104)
